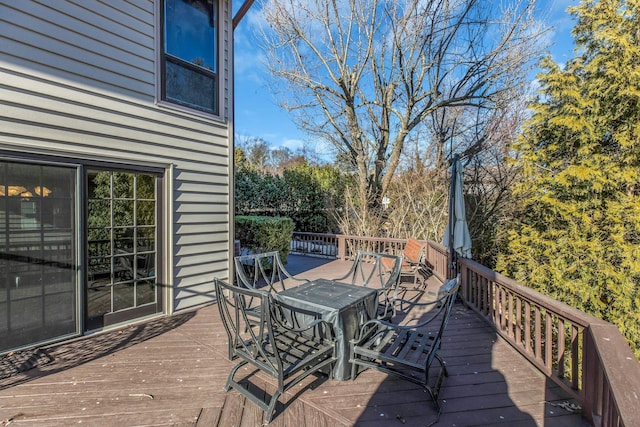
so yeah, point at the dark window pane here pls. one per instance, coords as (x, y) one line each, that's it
(145, 266)
(58, 212)
(22, 179)
(38, 279)
(99, 271)
(146, 212)
(146, 238)
(99, 298)
(145, 292)
(99, 185)
(123, 268)
(52, 311)
(190, 33)
(145, 187)
(58, 183)
(123, 240)
(122, 185)
(189, 88)
(122, 252)
(123, 213)
(27, 312)
(123, 297)
(99, 214)
(99, 241)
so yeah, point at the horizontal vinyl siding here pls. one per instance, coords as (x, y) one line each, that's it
(83, 42)
(81, 84)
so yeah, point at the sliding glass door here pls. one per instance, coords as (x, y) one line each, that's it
(38, 253)
(78, 249)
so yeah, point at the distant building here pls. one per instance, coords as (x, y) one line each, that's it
(115, 162)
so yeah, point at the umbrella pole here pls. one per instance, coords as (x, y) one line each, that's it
(453, 263)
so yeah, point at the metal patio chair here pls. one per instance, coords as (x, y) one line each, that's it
(407, 351)
(286, 343)
(262, 271)
(380, 271)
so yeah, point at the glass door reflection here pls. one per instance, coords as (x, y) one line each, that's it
(38, 253)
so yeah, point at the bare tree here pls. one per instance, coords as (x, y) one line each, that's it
(256, 151)
(366, 75)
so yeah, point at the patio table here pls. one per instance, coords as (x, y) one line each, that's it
(343, 305)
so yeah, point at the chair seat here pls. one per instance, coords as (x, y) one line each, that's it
(407, 347)
(296, 352)
(299, 352)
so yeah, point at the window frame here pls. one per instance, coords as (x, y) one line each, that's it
(215, 75)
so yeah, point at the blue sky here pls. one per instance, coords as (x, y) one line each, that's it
(258, 115)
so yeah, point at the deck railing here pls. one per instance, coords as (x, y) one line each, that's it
(586, 356)
(346, 247)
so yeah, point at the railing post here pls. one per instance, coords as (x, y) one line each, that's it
(342, 247)
(589, 382)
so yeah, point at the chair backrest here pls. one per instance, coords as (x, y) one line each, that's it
(374, 270)
(413, 251)
(255, 342)
(261, 270)
(248, 339)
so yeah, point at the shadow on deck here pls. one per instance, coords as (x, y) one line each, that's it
(171, 371)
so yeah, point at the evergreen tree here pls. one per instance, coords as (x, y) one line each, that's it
(577, 236)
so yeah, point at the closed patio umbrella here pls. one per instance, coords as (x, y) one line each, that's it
(456, 236)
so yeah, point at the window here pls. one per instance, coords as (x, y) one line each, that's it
(189, 55)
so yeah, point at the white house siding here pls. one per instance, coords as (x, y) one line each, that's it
(78, 79)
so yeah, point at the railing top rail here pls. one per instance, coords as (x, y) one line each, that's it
(376, 239)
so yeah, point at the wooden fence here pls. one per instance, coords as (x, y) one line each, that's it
(586, 356)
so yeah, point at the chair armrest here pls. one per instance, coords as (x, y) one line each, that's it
(411, 262)
(341, 278)
(402, 301)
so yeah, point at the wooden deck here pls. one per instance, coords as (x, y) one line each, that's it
(171, 372)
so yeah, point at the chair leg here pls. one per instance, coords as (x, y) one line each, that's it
(434, 398)
(268, 408)
(269, 412)
(354, 370)
(230, 380)
(435, 390)
(444, 367)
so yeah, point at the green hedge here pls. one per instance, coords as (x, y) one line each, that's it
(265, 234)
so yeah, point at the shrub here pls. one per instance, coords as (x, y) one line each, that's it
(265, 234)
